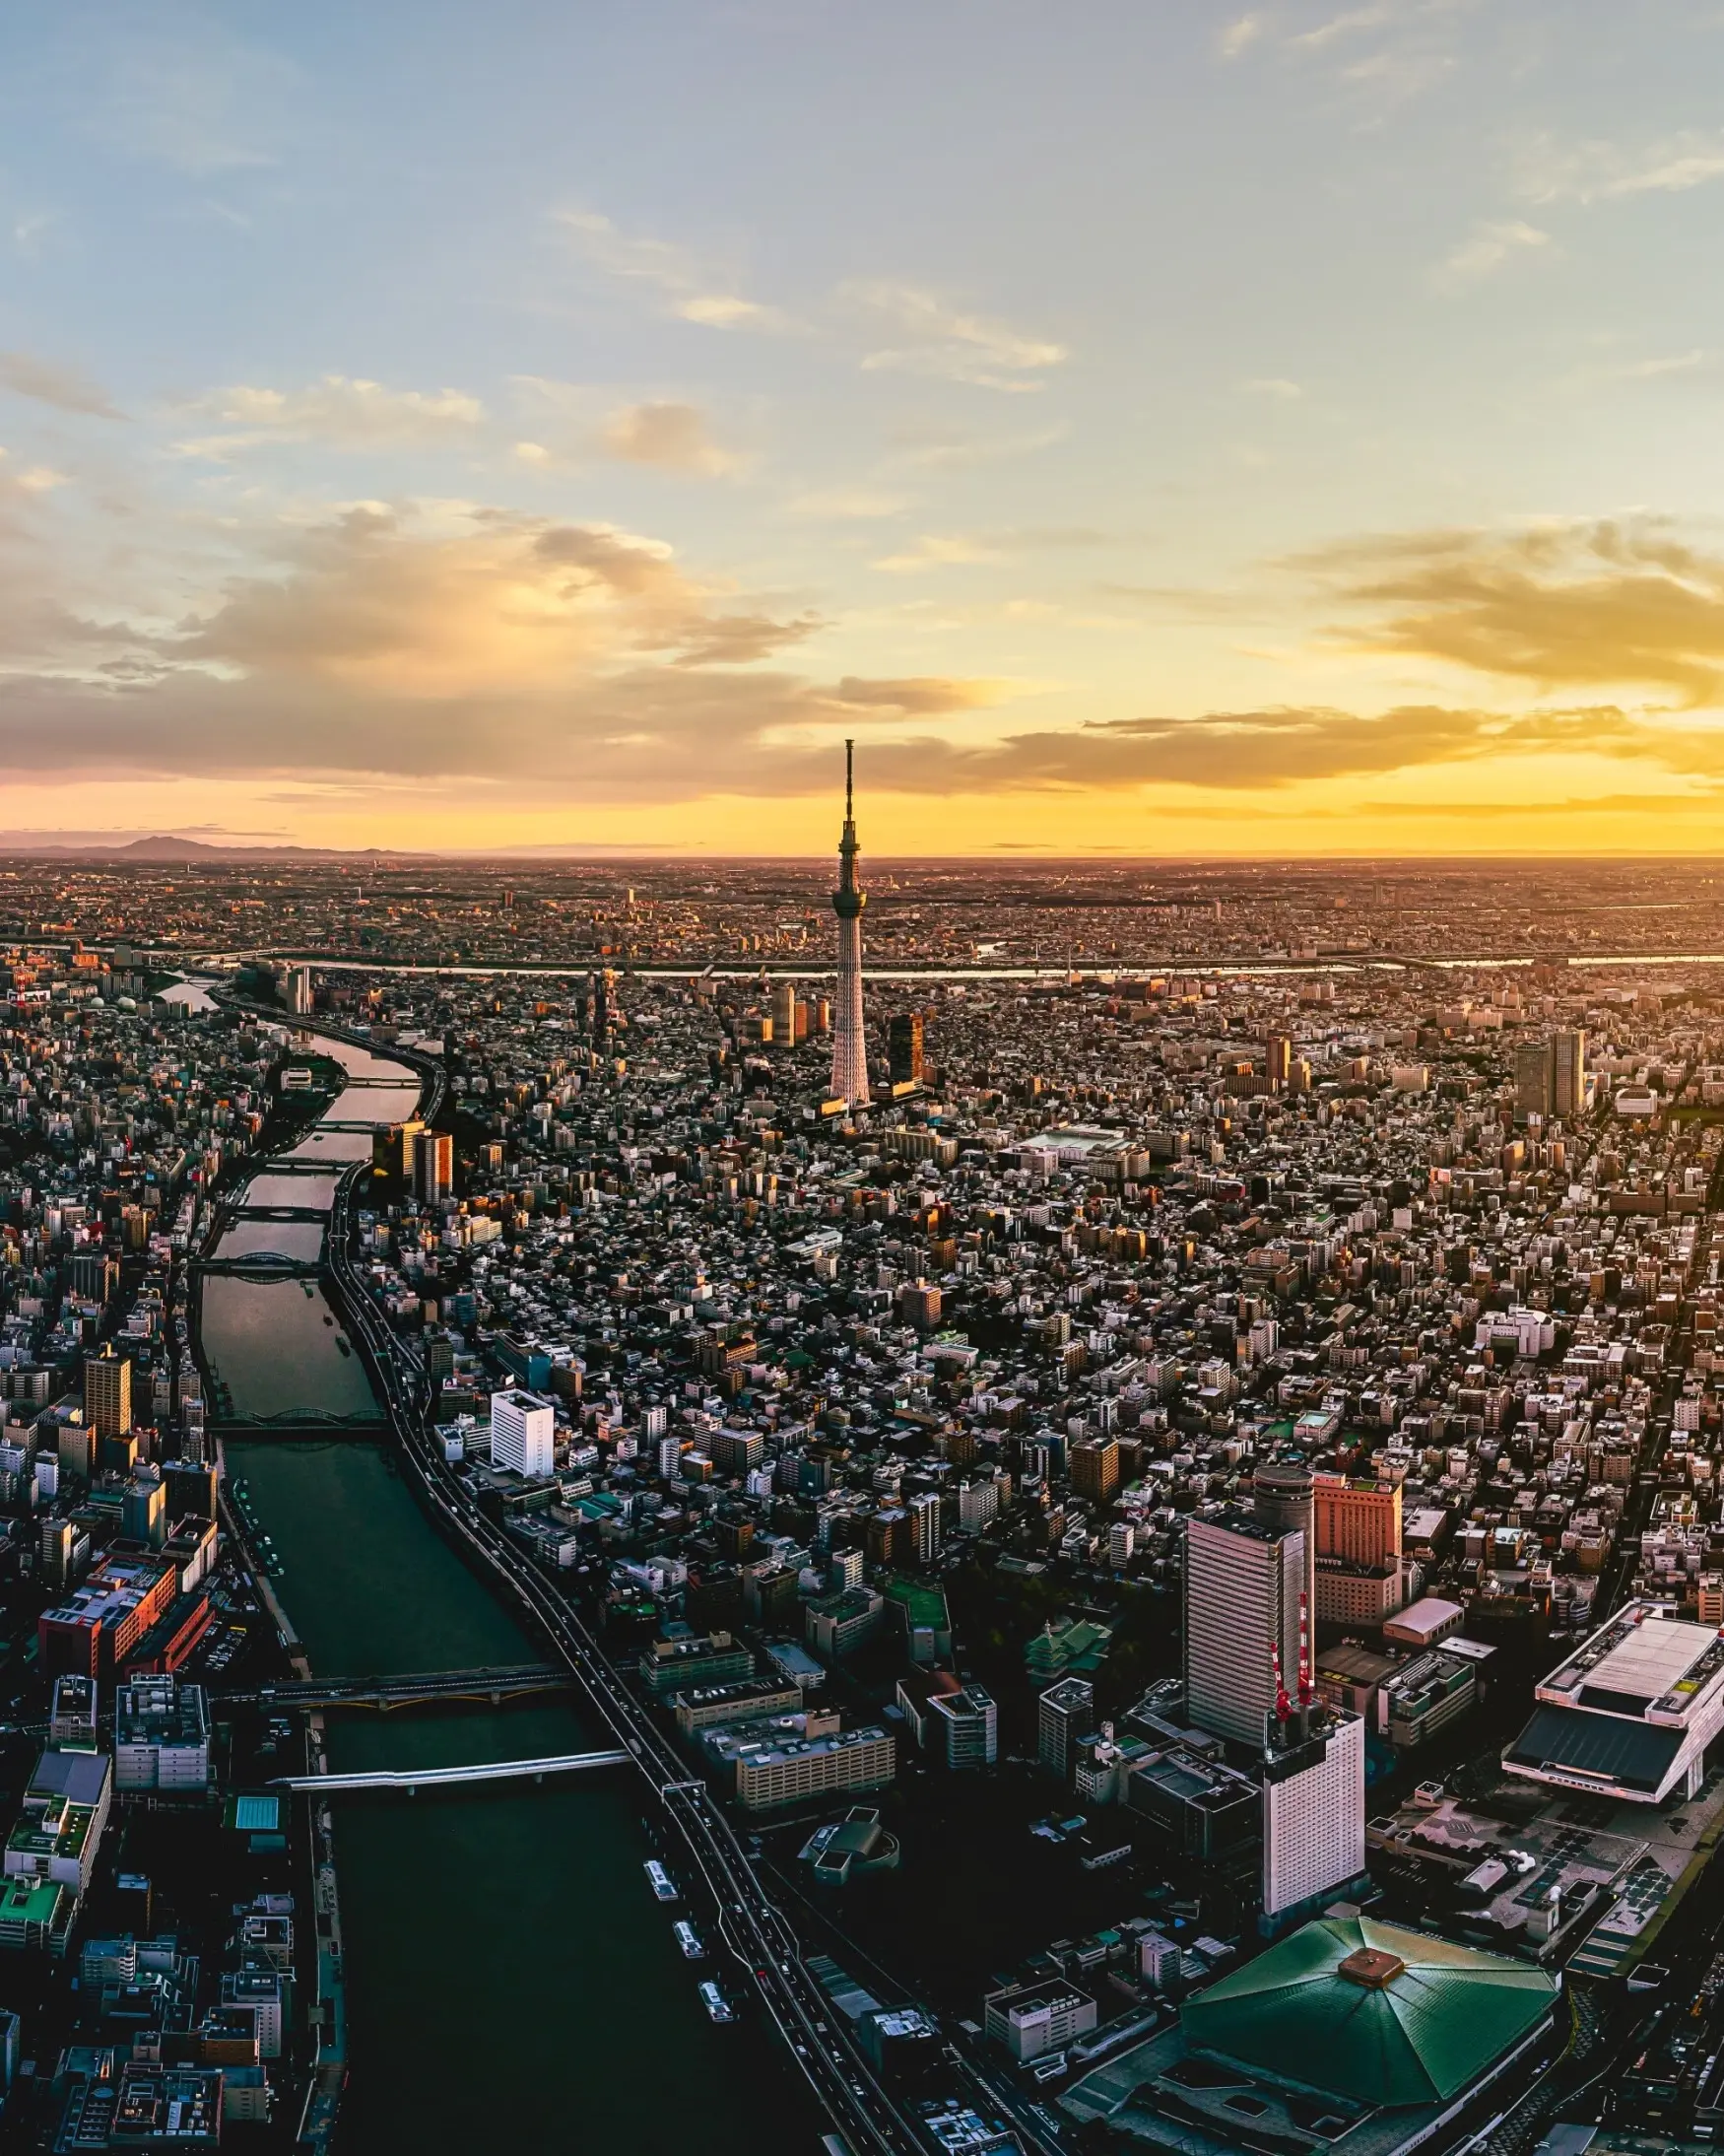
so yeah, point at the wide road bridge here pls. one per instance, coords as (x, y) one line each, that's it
(412, 1779)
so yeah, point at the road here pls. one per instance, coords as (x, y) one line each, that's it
(753, 1928)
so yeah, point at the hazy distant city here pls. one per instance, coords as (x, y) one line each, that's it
(739, 1411)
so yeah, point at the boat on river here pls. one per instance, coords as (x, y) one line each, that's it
(716, 2002)
(689, 1940)
(660, 1880)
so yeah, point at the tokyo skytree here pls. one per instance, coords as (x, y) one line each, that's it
(849, 1041)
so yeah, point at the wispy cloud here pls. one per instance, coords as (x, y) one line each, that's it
(1487, 249)
(199, 101)
(1550, 171)
(1273, 386)
(341, 411)
(934, 551)
(937, 338)
(694, 291)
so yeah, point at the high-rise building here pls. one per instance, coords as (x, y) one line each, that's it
(1242, 1586)
(1313, 1815)
(784, 1014)
(850, 1038)
(1569, 1074)
(1095, 1468)
(924, 1512)
(905, 1039)
(1064, 1712)
(107, 1393)
(1278, 1063)
(1358, 1522)
(434, 1165)
(1535, 1078)
(523, 1433)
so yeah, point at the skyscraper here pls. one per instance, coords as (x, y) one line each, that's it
(107, 1393)
(849, 1041)
(1569, 1074)
(904, 1045)
(1535, 1076)
(1242, 1586)
(1313, 1815)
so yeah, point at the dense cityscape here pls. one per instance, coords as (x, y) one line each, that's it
(1088, 1519)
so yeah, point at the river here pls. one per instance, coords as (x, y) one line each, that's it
(513, 1984)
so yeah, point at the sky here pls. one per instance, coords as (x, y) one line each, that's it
(1150, 429)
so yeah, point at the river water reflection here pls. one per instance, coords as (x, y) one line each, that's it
(514, 1986)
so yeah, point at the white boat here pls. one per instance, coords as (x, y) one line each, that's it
(689, 1940)
(716, 2002)
(660, 1880)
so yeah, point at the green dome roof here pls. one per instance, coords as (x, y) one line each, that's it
(1370, 2011)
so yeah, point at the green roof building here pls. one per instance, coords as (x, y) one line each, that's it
(1075, 1650)
(1350, 2035)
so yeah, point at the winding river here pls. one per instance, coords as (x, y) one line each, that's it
(513, 1984)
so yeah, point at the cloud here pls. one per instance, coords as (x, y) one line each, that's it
(847, 505)
(1605, 602)
(1240, 34)
(694, 292)
(341, 411)
(1273, 386)
(1346, 25)
(203, 103)
(51, 381)
(1550, 171)
(670, 436)
(935, 551)
(948, 343)
(922, 696)
(1487, 249)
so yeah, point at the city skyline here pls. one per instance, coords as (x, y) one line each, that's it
(1204, 433)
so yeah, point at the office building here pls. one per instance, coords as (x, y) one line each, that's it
(790, 1770)
(849, 1034)
(1568, 1075)
(1033, 2019)
(144, 1510)
(924, 1512)
(963, 1727)
(434, 1165)
(59, 1831)
(1210, 1813)
(523, 1433)
(688, 1662)
(1357, 1523)
(1278, 1062)
(162, 1735)
(1093, 1469)
(1535, 1078)
(1313, 1815)
(1064, 1712)
(72, 1716)
(107, 1393)
(784, 1014)
(1242, 1586)
(904, 1044)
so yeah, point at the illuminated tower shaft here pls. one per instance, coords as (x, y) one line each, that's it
(849, 1043)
